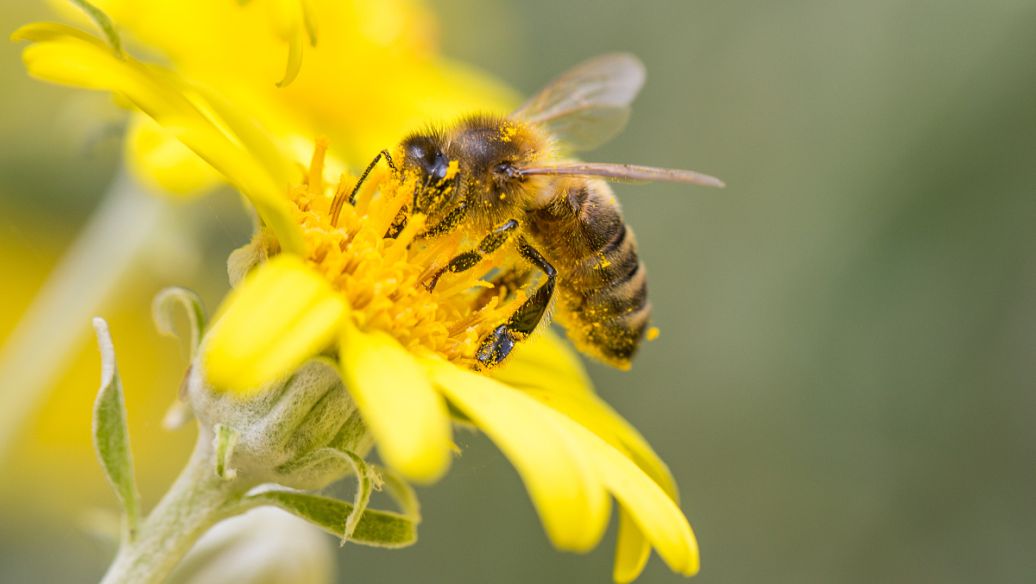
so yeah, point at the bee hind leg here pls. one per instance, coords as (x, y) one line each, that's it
(499, 343)
(469, 259)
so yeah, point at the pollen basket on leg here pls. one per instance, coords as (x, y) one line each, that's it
(378, 254)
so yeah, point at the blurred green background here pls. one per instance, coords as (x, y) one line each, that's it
(844, 382)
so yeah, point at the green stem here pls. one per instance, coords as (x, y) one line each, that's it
(196, 501)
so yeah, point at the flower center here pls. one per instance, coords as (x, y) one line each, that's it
(376, 255)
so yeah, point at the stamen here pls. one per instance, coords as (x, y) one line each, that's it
(315, 178)
(382, 273)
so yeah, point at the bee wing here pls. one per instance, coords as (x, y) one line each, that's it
(624, 173)
(589, 104)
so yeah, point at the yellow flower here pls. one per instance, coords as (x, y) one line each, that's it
(335, 284)
(361, 73)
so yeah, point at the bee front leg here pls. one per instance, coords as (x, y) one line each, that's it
(470, 259)
(497, 345)
(339, 200)
(383, 154)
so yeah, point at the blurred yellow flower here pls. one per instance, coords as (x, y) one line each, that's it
(371, 73)
(335, 283)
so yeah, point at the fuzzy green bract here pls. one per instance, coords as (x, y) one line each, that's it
(111, 437)
(376, 528)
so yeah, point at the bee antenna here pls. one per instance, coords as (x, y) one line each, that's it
(624, 173)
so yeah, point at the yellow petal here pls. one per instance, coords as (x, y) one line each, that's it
(62, 54)
(408, 419)
(548, 369)
(281, 314)
(571, 501)
(631, 549)
(530, 432)
(164, 162)
(544, 361)
(651, 508)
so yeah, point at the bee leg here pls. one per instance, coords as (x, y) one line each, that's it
(497, 345)
(470, 259)
(367, 171)
(447, 223)
(336, 204)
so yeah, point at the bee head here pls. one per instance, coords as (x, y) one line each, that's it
(490, 151)
(425, 155)
(476, 161)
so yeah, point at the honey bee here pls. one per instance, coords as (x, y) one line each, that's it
(509, 178)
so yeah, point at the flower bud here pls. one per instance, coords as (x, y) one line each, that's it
(293, 433)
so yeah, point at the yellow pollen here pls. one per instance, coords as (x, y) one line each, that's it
(508, 132)
(451, 170)
(652, 333)
(375, 256)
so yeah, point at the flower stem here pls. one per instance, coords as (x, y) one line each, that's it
(196, 501)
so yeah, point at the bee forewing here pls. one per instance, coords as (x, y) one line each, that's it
(589, 104)
(625, 172)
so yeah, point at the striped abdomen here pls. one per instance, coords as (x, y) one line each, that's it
(602, 287)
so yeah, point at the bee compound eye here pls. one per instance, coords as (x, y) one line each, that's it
(415, 151)
(507, 169)
(437, 166)
(428, 157)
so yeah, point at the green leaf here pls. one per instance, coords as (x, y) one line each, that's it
(165, 303)
(375, 528)
(364, 486)
(103, 22)
(111, 437)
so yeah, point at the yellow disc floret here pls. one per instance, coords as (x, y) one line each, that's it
(374, 254)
